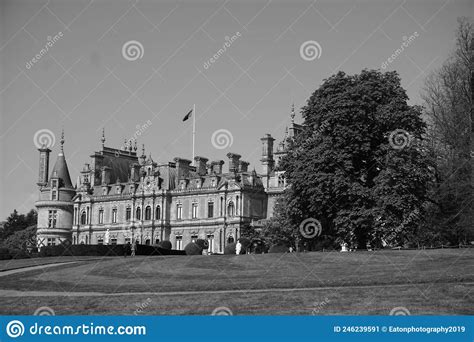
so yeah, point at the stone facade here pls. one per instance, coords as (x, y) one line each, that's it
(122, 197)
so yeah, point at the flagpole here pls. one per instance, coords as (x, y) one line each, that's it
(194, 128)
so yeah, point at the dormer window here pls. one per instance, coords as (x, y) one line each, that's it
(54, 183)
(198, 183)
(54, 195)
(104, 191)
(213, 182)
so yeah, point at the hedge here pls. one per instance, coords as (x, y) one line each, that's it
(104, 250)
(278, 248)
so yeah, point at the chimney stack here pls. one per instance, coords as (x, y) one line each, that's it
(182, 167)
(267, 154)
(234, 159)
(243, 166)
(201, 165)
(43, 166)
(217, 166)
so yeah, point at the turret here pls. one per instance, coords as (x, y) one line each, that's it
(55, 205)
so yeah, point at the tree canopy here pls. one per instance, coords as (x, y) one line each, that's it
(358, 166)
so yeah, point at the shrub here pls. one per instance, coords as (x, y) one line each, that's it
(193, 249)
(5, 254)
(245, 243)
(204, 244)
(230, 248)
(165, 244)
(278, 248)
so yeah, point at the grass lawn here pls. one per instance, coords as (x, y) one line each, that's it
(424, 282)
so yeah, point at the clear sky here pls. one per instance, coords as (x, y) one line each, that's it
(85, 81)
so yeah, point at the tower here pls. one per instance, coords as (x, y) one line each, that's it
(55, 205)
(268, 163)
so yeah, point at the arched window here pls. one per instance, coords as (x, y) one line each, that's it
(128, 213)
(157, 212)
(148, 213)
(237, 205)
(138, 213)
(230, 209)
(83, 218)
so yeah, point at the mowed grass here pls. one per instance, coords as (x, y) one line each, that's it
(424, 281)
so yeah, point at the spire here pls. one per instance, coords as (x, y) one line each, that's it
(62, 142)
(292, 113)
(60, 169)
(103, 137)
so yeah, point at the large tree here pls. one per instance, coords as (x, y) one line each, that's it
(358, 167)
(448, 96)
(16, 222)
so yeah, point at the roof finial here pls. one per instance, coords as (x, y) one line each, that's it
(293, 113)
(135, 146)
(62, 141)
(143, 149)
(103, 137)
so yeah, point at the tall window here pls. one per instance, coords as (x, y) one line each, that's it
(179, 211)
(210, 240)
(83, 217)
(157, 212)
(101, 216)
(222, 207)
(179, 242)
(210, 209)
(128, 214)
(75, 216)
(230, 209)
(52, 217)
(138, 213)
(114, 215)
(148, 213)
(194, 210)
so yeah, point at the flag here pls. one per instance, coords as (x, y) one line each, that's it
(188, 115)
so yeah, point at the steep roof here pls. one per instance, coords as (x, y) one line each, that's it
(61, 171)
